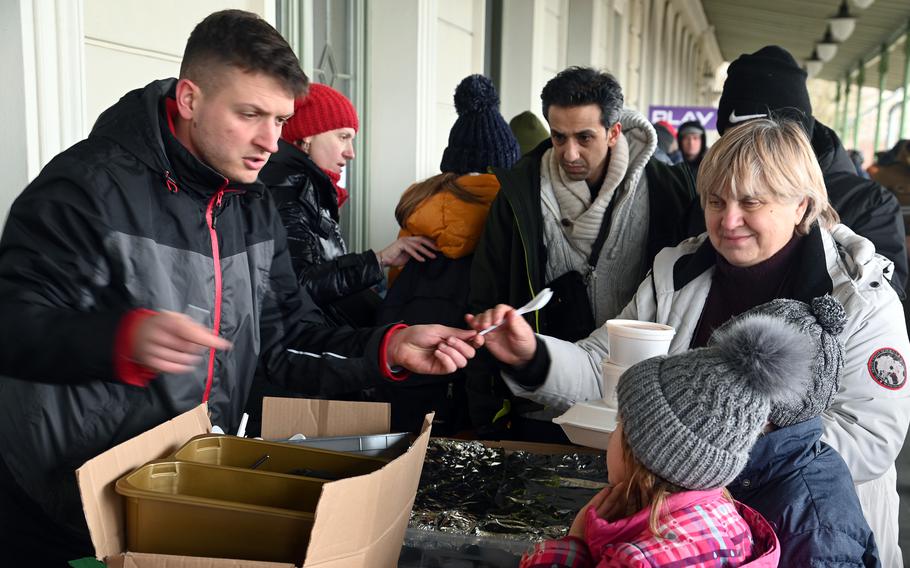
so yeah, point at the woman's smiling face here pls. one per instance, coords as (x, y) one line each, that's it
(752, 228)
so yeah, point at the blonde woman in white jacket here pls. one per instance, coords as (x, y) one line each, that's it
(771, 233)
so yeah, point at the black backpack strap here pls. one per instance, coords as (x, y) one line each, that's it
(602, 233)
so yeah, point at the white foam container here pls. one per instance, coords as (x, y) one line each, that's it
(611, 373)
(588, 424)
(633, 341)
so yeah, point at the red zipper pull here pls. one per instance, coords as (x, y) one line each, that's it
(217, 207)
(171, 184)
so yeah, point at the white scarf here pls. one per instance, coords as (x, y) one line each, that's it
(581, 219)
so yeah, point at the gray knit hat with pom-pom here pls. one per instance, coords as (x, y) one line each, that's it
(480, 138)
(821, 322)
(692, 418)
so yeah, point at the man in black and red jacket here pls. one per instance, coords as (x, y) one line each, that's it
(145, 271)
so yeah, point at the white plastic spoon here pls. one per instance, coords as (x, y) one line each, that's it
(536, 303)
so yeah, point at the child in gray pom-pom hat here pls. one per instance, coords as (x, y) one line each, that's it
(797, 482)
(686, 425)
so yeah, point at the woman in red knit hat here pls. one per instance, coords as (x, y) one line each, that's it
(303, 177)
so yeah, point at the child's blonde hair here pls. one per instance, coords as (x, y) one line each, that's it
(644, 489)
(423, 190)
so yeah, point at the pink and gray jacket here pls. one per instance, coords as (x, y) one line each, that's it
(701, 528)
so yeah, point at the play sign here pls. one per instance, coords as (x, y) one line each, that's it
(677, 115)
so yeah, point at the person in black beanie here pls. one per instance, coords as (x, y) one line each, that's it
(770, 81)
(759, 83)
(693, 143)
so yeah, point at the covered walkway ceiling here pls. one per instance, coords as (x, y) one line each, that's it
(744, 26)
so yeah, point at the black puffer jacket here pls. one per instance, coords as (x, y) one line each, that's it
(308, 206)
(863, 205)
(129, 219)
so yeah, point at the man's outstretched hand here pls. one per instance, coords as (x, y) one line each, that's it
(432, 349)
(513, 342)
(171, 342)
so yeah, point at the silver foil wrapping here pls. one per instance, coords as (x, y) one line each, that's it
(469, 489)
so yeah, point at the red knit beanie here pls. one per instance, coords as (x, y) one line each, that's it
(667, 126)
(321, 110)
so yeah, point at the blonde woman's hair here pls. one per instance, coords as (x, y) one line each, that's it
(421, 191)
(646, 489)
(770, 157)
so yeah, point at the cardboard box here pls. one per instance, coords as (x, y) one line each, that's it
(360, 521)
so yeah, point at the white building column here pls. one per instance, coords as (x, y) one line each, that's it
(647, 56)
(682, 86)
(417, 53)
(633, 58)
(703, 49)
(668, 69)
(581, 39)
(401, 51)
(676, 58)
(522, 73)
(655, 71)
(621, 11)
(41, 52)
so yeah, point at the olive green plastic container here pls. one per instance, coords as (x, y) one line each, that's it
(275, 457)
(195, 509)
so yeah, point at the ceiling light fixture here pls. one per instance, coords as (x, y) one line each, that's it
(826, 48)
(814, 65)
(843, 23)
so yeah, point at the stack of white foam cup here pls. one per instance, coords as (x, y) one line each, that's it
(589, 423)
(631, 341)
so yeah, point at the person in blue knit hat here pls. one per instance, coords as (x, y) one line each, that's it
(480, 138)
(450, 209)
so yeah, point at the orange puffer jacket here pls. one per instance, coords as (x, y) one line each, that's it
(453, 224)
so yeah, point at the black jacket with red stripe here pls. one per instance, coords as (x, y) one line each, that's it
(129, 219)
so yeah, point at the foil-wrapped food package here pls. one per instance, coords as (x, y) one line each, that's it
(468, 488)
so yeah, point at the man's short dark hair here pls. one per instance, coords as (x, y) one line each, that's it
(243, 40)
(579, 86)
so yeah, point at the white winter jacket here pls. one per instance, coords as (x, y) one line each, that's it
(867, 421)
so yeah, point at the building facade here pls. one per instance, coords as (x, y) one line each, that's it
(398, 60)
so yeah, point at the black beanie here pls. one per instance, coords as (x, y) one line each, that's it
(765, 82)
(480, 137)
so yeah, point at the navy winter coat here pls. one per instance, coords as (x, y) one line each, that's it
(803, 488)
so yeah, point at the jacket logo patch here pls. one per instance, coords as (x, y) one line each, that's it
(888, 369)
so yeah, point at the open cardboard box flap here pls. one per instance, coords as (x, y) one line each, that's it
(142, 560)
(360, 521)
(284, 417)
